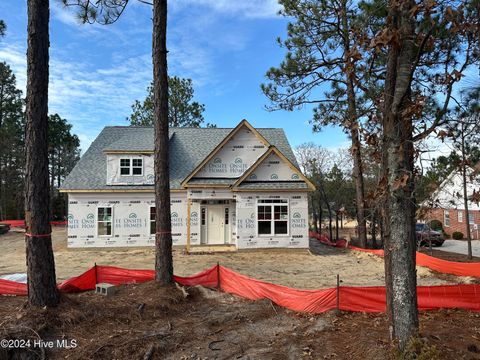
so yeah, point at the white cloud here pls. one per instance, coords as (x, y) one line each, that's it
(92, 91)
(246, 8)
(431, 148)
(15, 57)
(86, 96)
(64, 14)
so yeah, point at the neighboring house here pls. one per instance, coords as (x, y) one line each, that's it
(239, 187)
(446, 205)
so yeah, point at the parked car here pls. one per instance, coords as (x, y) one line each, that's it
(4, 228)
(425, 235)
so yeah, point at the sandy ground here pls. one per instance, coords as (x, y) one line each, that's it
(145, 321)
(312, 269)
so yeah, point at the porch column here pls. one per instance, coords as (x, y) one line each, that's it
(189, 206)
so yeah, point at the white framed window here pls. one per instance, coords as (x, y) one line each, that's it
(124, 166)
(446, 218)
(460, 216)
(471, 218)
(137, 167)
(272, 217)
(131, 167)
(104, 221)
(153, 218)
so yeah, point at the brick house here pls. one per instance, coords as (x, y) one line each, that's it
(446, 205)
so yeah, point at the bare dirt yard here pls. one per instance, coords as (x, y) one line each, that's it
(148, 322)
(144, 321)
(313, 269)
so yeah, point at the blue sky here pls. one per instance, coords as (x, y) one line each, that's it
(225, 47)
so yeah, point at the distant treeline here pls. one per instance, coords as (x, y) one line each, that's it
(63, 151)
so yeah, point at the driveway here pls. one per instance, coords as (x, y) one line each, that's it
(460, 247)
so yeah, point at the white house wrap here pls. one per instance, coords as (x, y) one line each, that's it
(242, 187)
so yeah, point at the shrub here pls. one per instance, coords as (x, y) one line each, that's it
(457, 235)
(436, 225)
(418, 349)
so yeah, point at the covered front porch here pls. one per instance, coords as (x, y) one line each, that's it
(214, 223)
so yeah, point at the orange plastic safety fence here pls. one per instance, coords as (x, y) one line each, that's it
(363, 299)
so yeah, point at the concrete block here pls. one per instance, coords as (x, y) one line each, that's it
(105, 289)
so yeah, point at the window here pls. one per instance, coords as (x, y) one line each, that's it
(264, 219)
(460, 216)
(203, 216)
(153, 216)
(104, 221)
(226, 216)
(137, 167)
(446, 218)
(280, 217)
(272, 217)
(471, 218)
(131, 167)
(124, 166)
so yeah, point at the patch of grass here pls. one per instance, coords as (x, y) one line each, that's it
(418, 349)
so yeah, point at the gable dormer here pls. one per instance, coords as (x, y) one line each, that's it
(273, 168)
(240, 149)
(130, 168)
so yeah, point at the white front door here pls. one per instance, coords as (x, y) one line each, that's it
(216, 224)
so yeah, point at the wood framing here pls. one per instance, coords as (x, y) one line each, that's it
(189, 210)
(129, 152)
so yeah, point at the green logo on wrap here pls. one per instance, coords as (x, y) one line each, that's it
(274, 177)
(217, 161)
(298, 222)
(253, 176)
(295, 177)
(87, 223)
(132, 222)
(70, 217)
(177, 221)
(238, 161)
(150, 177)
(194, 218)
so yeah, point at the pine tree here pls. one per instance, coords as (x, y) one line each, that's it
(42, 287)
(12, 140)
(182, 110)
(107, 12)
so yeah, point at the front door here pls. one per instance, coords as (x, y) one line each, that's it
(216, 224)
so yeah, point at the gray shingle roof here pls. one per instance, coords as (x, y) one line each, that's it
(211, 181)
(188, 147)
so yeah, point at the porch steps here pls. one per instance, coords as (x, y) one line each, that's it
(205, 249)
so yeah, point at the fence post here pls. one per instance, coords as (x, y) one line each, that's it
(338, 294)
(218, 276)
(96, 279)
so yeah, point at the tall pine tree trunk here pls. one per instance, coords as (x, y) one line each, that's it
(163, 237)
(400, 272)
(354, 134)
(465, 195)
(42, 288)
